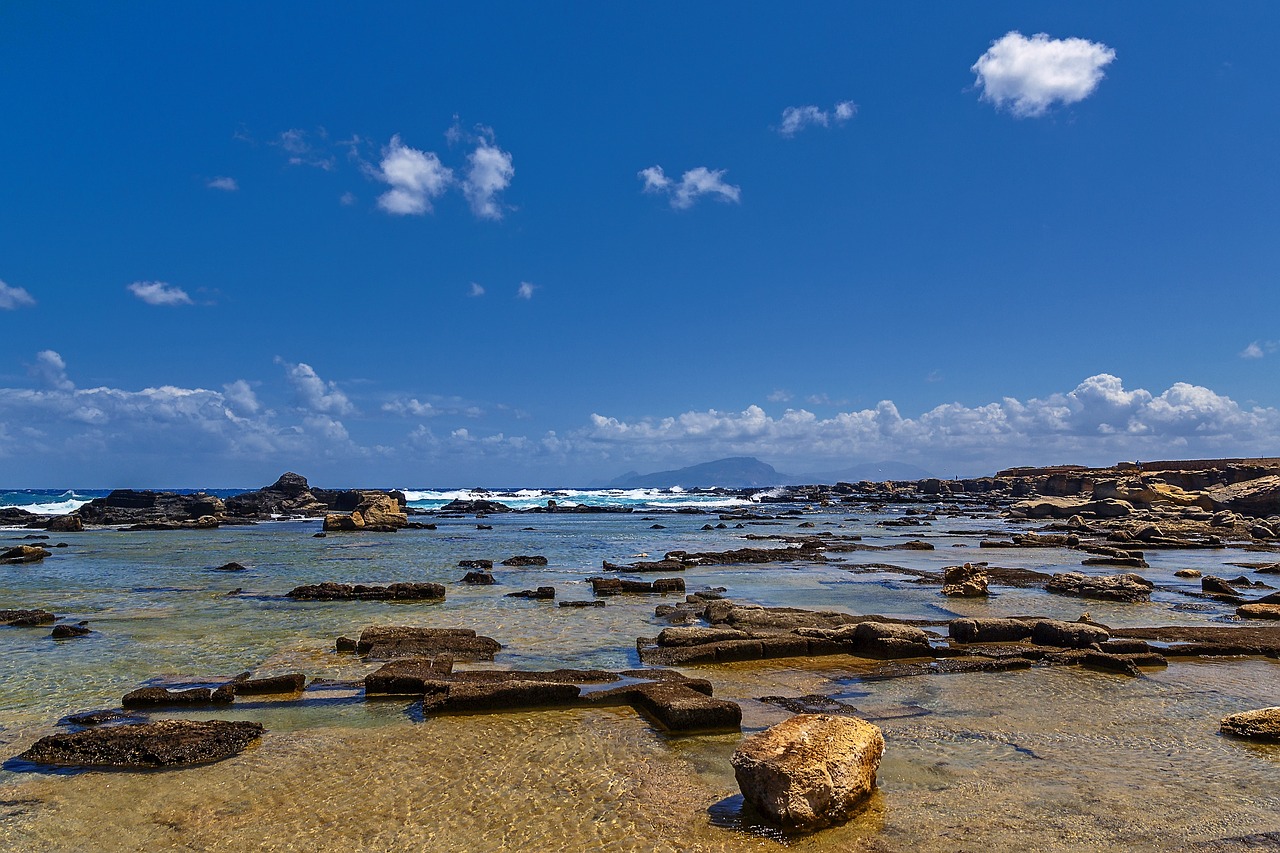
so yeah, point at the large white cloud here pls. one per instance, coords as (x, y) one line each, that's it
(1029, 75)
(415, 177)
(692, 185)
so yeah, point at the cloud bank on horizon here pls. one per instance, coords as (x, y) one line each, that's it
(1099, 421)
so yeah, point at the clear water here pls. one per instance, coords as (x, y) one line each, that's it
(1051, 759)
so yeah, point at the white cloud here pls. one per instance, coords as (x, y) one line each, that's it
(1029, 75)
(51, 371)
(240, 397)
(476, 290)
(347, 199)
(692, 185)
(779, 395)
(14, 297)
(313, 392)
(525, 290)
(302, 151)
(159, 293)
(1258, 349)
(413, 407)
(223, 183)
(489, 173)
(796, 119)
(415, 177)
(1097, 422)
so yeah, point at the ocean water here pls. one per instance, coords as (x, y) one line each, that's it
(1050, 759)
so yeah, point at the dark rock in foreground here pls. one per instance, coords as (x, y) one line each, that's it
(330, 591)
(66, 632)
(293, 682)
(169, 743)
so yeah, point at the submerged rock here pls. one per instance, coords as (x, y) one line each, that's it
(26, 618)
(1262, 724)
(525, 560)
(330, 591)
(66, 632)
(169, 743)
(1127, 587)
(156, 697)
(811, 770)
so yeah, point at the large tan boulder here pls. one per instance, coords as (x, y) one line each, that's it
(1262, 724)
(1258, 498)
(381, 510)
(811, 770)
(343, 521)
(65, 524)
(1258, 611)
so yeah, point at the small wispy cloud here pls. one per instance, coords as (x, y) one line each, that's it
(306, 148)
(1259, 349)
(415, 177)
(780, 395)
(14, 297)
(525, 290)
(796, 119)
(476, 289)
(159, 293)
(692, 185)
(1029, 75)
(347, 199)
(222, 182)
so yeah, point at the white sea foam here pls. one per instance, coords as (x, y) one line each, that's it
(55, 507)
(524, 498)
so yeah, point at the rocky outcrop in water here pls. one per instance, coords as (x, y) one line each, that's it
(169, 743)
(967, 581)
(129, 507)
(23, 554)
(376, 512)
(1262, 724)
(811, 770)
(1127, 587)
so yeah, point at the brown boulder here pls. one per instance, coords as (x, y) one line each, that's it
(967, 581)
(811, 770)
(1262, 724)
(65, 524)
(24, 554)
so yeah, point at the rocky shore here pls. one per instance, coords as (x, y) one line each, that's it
(1101, 532)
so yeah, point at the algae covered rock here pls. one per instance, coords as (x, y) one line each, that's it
(168, 743)
(811, 770)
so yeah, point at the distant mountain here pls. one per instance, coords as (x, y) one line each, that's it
(876, 472)
(737, 472)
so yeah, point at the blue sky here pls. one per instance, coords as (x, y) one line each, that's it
(545, 244)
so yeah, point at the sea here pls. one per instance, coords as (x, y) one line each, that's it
(1053, 758)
